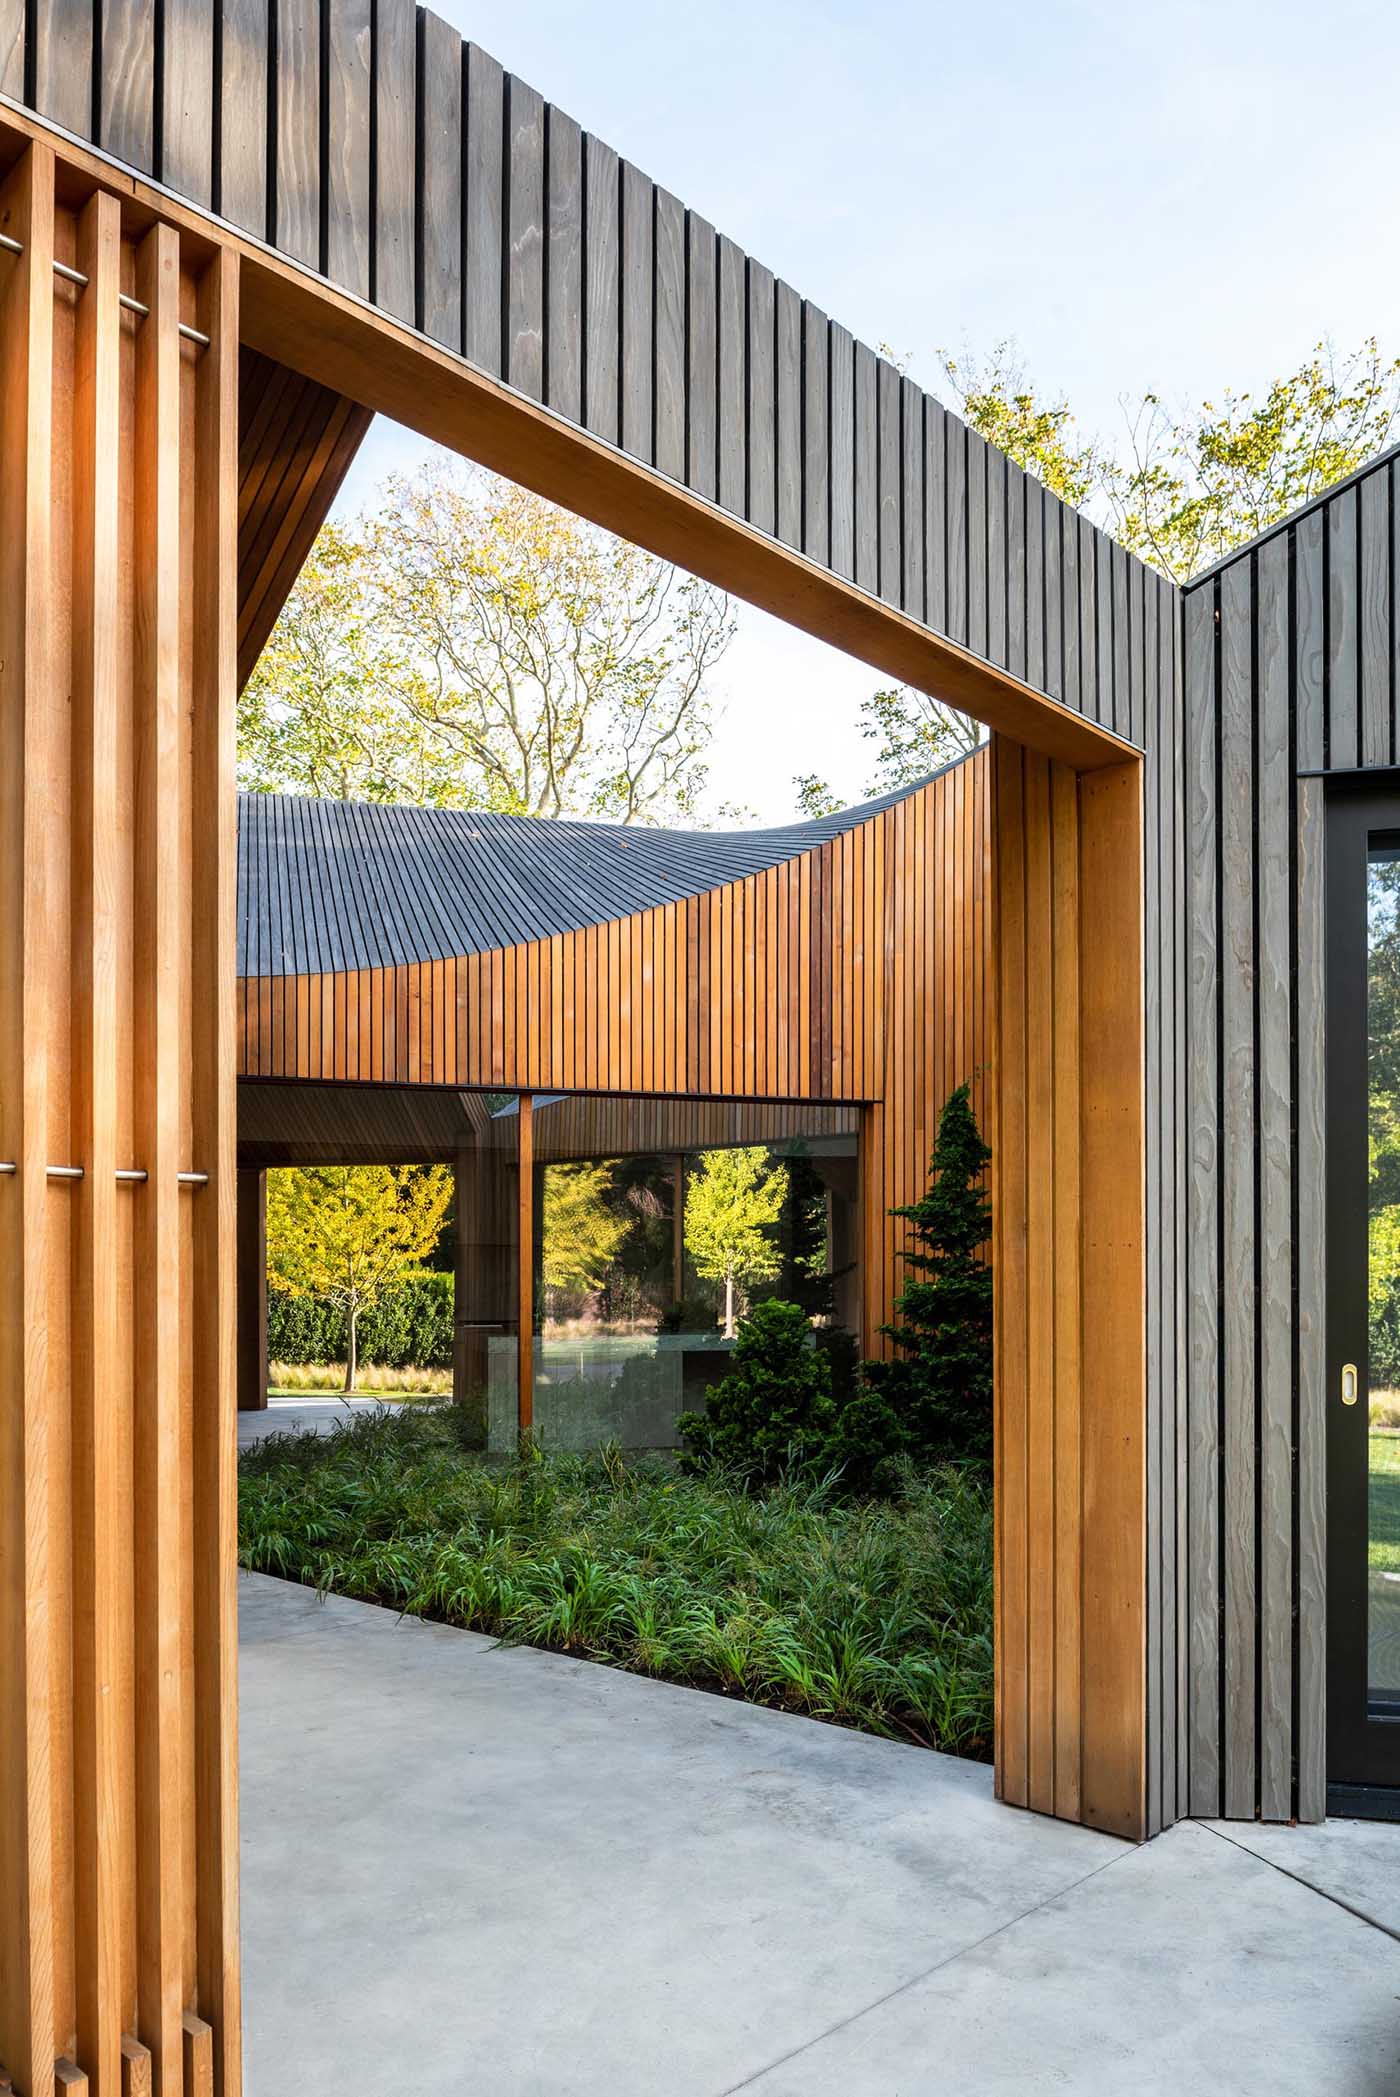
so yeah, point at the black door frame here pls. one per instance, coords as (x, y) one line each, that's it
(1363, 1750)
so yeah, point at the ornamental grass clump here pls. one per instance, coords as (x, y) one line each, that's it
(872, 1614)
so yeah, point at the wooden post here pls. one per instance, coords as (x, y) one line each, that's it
(252, 1289)
(525, 1251)
(1070, 1393)
(678, 1228)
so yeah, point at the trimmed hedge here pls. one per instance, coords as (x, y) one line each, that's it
(409, 1328)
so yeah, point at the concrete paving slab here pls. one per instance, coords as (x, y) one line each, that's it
(1356, 1862)
(1187, 1966)
(469, 1869)
(299, 1416)
(475, 1870)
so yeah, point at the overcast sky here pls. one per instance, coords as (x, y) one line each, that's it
(1175, 198)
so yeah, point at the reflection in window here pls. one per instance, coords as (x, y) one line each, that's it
(658, 1223)
(1383, 1279)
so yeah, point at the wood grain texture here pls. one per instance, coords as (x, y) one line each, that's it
(187, 99)
(804, 982)
(440, 201)
(357, 101)
(1239, 1081)
(1312, 1297)
(119, 560)
(297, 442)
(1275, 1108)
(348, 163)
(525, 238)
(297, 175)
(564, 344)
(1068, 1199)
(241, 175)
(29, 2013)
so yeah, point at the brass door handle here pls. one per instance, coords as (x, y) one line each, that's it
(1348, 1383)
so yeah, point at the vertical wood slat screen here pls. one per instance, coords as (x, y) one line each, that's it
(1071, 1425)
(409, 168)
(118, 1804)
(859, 971)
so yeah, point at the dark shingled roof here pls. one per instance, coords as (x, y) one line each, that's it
(327, 885)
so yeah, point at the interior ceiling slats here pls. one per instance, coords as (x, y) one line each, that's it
(325, 886)
(296, 442)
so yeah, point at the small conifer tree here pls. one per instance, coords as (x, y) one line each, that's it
(938, 1384)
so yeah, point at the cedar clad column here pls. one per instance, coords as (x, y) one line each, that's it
(1068, 1194)
(252, 1289)
(118, 1789)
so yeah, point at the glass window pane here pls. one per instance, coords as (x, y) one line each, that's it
(1383, 1497)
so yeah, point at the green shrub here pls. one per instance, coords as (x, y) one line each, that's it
(933, 1399)
(411, 1327)
(875, 1614)
(771, 1413)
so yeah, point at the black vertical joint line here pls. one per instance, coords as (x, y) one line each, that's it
(506, 159)
(1221, 1686)
(1255, 929)
(802, 535)
(216, 143)
(157, 90)
(747, 410)
(323, 134)
(923, 507)
(718, 439)
(620, 380)
(95, 85)
(419, 163)
(270, 201)
(463, 178)
(546, 244)
(685, 346)
(374, 152)
(655, 329)
(1326, 536)
(30, 32)
(585, 218)
(1295, 1291)
(1389, 597)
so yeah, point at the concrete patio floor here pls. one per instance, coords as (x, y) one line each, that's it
(509, 1873)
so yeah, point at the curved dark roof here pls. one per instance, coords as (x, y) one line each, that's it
(328, 885)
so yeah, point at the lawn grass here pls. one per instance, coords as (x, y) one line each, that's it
(875, 1615)
(1383, 1498)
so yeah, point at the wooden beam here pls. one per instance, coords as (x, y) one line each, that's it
(344, 344)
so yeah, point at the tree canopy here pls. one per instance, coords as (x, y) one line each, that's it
(1183, 486)
(470, 645)
(733, 1203)
(349, 1233)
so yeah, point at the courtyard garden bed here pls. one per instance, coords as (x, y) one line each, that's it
(874, 1613)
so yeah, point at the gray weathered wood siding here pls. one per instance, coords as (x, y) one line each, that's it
(1291, 651)
(372, 145)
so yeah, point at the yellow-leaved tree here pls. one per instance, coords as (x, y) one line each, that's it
(732, 1206)
(350, 1233)
(1183, 487)
(467, 644)
(581, 1230)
